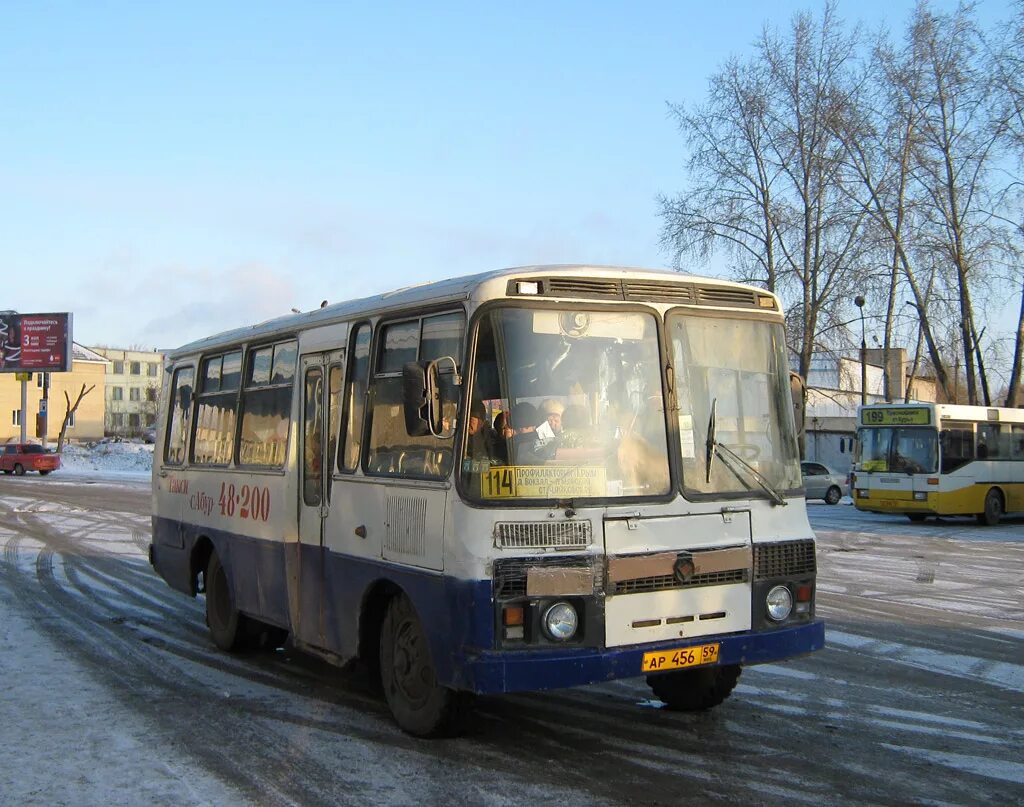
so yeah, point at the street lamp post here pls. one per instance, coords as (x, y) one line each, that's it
(859, 302)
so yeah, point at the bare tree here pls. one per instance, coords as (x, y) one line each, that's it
(956, 142)
(1008, 68)
(765, 178)
(69, 412)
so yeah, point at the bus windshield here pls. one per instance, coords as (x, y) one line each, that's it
(736, 369)
(897, 449)
(566, 404)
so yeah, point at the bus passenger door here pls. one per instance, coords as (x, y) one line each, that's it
(321, 398)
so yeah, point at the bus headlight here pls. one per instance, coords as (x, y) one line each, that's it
(560, 621)
(779, 602)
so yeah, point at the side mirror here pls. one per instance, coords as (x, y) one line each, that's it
(421, 398)
(797, 392)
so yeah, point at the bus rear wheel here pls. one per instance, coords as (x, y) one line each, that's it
(419, 704)
(227, 626)
(916, 516)
(695, 690)
(993, 509)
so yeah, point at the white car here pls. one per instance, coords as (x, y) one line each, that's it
(821, 482)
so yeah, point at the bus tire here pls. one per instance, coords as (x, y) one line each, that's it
(420, 705)
(695, 690)
(227, 626)
(833, 495)
(916, 517)
(993, 509)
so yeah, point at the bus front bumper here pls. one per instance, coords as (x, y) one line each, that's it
(522, 671)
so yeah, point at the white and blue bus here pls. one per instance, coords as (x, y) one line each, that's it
(523, 480)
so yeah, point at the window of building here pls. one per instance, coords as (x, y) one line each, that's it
(216, 401)
(134, 394)
(117, 419)
(392, 450)
(150, 394)
(154, 369)
(266, 405)
(179, 410)
(117, 393)
(118, 368)
(71, 420)
(136, 368)
(134, 421)
(15, 417)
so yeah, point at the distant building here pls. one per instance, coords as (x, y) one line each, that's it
(834, 393)
(88, 368)
(132, 389)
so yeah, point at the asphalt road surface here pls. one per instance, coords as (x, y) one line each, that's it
(111, 690)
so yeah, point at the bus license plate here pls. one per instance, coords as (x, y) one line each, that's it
(676, 659)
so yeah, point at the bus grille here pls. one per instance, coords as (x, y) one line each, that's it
(542, 534)
(510, 574)
(717, 295)
(668, 581)
(656, 291)
(786, 559)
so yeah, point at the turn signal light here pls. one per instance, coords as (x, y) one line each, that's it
(512, 615)
(803, 593)
(933, 480)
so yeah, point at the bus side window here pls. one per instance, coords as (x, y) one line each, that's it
(988, 441)
(216, 404)
(266, 405)
(355, 398)
(179, 406)
(1017, 442)
(392, 451)
(957, 447)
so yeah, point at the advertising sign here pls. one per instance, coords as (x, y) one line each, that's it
(35, 342)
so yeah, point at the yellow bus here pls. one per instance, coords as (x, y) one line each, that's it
(939, 460)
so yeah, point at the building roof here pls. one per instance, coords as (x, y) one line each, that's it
(82, 353)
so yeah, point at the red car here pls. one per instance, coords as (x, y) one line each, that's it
(20, 457)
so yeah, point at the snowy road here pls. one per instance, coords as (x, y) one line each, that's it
(112, 693)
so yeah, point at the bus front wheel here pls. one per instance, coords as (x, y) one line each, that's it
(993, 509)
(695, 690)
(419, 704)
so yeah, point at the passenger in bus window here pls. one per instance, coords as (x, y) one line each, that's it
(550, 428)
(480, 443)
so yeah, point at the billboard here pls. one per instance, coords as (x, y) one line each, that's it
(35, 342)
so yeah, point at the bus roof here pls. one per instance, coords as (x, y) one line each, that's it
(452, 289)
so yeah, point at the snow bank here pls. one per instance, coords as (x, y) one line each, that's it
(107, 457)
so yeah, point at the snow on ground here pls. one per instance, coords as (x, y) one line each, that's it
(131, 459)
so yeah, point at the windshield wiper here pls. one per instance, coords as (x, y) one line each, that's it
(763, 483)
(710, 452)
(710, 445)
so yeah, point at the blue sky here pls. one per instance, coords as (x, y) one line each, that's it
(171, 170)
